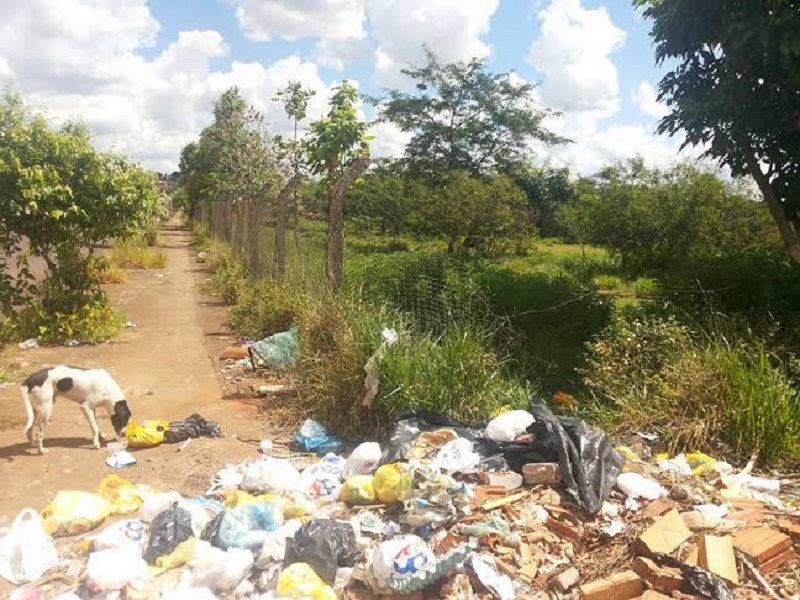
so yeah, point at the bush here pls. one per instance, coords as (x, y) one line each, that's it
(645, 287)
(135, 254)
(608, 283)
(649, 372)
(265, 308)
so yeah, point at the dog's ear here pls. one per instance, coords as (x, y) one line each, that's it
(121, 416)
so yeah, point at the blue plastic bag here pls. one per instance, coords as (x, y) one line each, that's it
(313, 437)
(246, 526)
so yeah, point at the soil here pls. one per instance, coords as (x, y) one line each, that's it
(167, 366)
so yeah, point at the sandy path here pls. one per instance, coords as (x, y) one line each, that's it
(165, 367)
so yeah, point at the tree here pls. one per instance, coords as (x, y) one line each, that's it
(736, 91)
(295, 103)
(383, 201)
(338, 149)
(59, 200)
(464, 118)
(547, 189)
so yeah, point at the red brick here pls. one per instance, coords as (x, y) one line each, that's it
(773, 564)
(566, 580)
(662, 579)
(761, 544)
(563, 530)
(620, 586)
(541, 474)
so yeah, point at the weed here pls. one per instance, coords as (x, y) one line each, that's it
(105, 273)
(229, 275)
(265, 308)
(646, 287)
(134, 254)
(608, 283)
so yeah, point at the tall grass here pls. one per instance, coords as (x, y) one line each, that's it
(135, 254)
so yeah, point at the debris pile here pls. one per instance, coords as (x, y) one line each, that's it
(529, 505)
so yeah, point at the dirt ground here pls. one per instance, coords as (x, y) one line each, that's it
(166, 365)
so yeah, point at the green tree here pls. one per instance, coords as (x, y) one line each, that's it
(383, 201)
(59, 200)
(547, 189)
(464, 118)
(734, 89)
(338, 149)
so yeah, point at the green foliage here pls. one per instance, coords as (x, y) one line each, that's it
(652, 218)
(462, 117)
(645, 287)
(233, 157)
(265, 308)
(295, 100)
(228, 274)
(547, 190)
(608, 283)
(135, 254)
(339, 136)
(648, 372)
(383, 201)
(732, 87)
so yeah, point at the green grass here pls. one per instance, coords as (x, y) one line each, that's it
(135, 254)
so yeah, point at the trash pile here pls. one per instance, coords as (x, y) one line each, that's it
(529, 505)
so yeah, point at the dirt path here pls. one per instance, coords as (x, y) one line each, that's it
(164, 364)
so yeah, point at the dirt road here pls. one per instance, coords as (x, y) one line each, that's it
(164, 364)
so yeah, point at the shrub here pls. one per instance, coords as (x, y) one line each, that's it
(135, 254)
(103, 272)
(265, 308)
(648, 372)
(645, 287)
(608, 283)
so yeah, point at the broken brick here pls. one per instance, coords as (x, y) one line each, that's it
(665, 535)
(657, 508)
(234, 353)
(508, 480)
(619, 586)
(653, 595)
(773, 564)
(761, 544)
(790, 529)
(541, 474)
(715, 554)
(566, 580)
(564, 530)
(662, 579)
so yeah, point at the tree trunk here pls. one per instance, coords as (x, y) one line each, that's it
(335, 262)
(281, 217)
(254, 243)
(788, 233)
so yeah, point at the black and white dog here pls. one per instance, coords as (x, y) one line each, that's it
(91, 388)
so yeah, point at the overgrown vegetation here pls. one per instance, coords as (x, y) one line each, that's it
(135, 253)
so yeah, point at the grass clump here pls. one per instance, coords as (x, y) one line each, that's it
(228, 274)
(697, 392)
(103, 272)
(608, 283)
(265, 308)
(645, 287)
(135, 254)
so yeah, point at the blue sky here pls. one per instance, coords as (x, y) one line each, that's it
(144, 73)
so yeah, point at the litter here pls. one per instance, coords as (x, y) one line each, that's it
(363, 460)
(125, 497)
(509, 426)
(635, 486)
(28, 344)
(392, 483)
(167, 530)
(500, 585)
(271, 474)
(146, 435)
(245, 526)
(278, 352)
(121, 535)
(300, 581)
(313, 437)
(218, 570)
(358, 490)
(120, 460)
(74, 513)
(457, 456)
(26, 551)
(113, 569)
(193, 426)
(401, 560)
(325, 545)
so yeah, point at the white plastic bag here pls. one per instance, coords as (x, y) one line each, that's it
(26, 551)
(402, 558)
(457, 456)
(121, 535)
(218, 570)
(271, 475)
(158, 503)
(635, 486)
(509, 426)
(111, 570)
(363, 460)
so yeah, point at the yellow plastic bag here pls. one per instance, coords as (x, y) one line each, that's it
(299, 580)
(146, 435)
(701, 463)
(392, 483)
(73, 513)
(358, 490)
(293, 506)
(125, 497)
(234, 498)
(182, 555)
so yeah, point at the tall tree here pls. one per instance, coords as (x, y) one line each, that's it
(464, 118)
(338, 149)
(736, 90)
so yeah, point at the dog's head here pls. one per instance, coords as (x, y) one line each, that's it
(120, 416)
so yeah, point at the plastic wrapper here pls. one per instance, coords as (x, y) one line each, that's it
(457, 456)
(697, 581)
(363, 460)
(271, 475)
(203, 511)
(158, 503)
(193, 426)
(112, 570)
(26, 551)
(246, 526)
(125, 497)
(313, 437)
(634, 485)
(74, 513)
(168, 529)
(435, 498)
(500, 585)
(278, 352)
(358, 490)
(220, 571)
(508, 426)
(392, 483)
(588, 462)
(300, 581)
(323, 479)
(146, 435)
(127, 534)
(325, 545)
(183, 554)
(402, 559)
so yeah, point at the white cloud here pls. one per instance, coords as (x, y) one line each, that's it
(389, 141)
(646, 98)
(263, 20)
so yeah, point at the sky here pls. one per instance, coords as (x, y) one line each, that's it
(144, 74)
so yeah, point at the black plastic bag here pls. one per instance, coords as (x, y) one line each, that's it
(588, 463)
(696, 581)
(408, 427)
(325, 545)
(210, 532)
(170, 528)
(194, 426)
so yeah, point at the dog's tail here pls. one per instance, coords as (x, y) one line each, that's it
(28, 408)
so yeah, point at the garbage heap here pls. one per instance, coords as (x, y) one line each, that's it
(529, 506)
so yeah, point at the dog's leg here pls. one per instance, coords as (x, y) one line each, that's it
(88, 412)
(43, 414)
